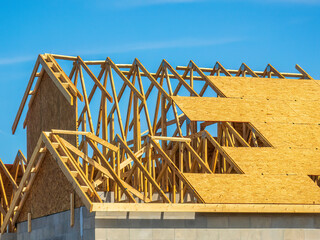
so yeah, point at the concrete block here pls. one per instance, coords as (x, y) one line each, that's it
(138, 223)
(238, 221)
(293, 234)
(199, 222)
(112, 215)
(88, 223)
(292, 221)
(229, 234)
(112, 234)
(163, 234)
(250, 234)
(106, 223)
(179, 215)
(145, 215)
(140, 233)
(170, 223)
(8, 236)
(316, 221)
(311, 234)
(22, 227)
(86, 213)
(88, 234)
(272, 234)
(217, 221)
(39, 223)
(207, 234)
(260, 221)
(185, 234)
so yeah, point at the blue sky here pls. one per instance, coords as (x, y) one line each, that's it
(280, 32)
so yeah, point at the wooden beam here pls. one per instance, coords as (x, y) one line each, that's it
(94, 78)
(25, 177)
(25, 96)
(175, 169)
(124, 78)
(29, 222)
(141, 167)
(209, 208)
(111, 171)
(72, 209)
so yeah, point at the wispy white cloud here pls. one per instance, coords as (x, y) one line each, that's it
(131, 47)
(156, 45)
(16, 59)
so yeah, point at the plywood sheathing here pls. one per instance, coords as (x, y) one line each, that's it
(256, 189)
(50, 192)
(290, 135)
(276, 161)
(50, 110)
(267, 88)
(249, 110)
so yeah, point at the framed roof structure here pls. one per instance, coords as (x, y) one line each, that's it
(180, 139)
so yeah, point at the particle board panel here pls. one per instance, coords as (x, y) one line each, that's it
(50, 192)
(290, 135)
(50, 110)
(267, 88)
(306, 109)
(276, 161)
(241, 110)
(260, 189)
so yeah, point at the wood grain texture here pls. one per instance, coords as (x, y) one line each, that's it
(267, 88)
(50, 192)
(245, 188)
(50, 110)
(248, 110)
(290, 135)
(276, 161)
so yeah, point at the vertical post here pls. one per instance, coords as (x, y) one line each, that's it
(164, 134)
(29, 222)
(181, 169)
(174, 183)
(71, 209)
(117, 189)
(137, 139)
(85, 144)
(150, 163)
(191, 79)
(113, 156)
(163, 121)
(205, 149)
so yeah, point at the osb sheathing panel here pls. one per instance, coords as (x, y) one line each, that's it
(50, 110)
(267, 88)
(247, 110)
(244, 188)
(290, 135)
(276, 161)
(50, 192)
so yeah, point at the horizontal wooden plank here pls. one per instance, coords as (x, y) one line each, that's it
(218, 208)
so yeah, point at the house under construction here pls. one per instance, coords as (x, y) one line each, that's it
(115, 151)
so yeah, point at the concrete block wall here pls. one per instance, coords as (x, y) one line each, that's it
(54, 227)
(213, 226)
(170, 226)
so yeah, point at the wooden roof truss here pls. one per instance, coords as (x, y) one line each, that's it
(113, 153)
